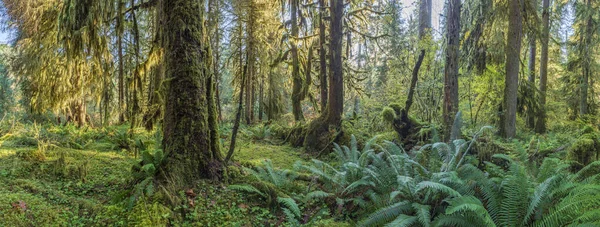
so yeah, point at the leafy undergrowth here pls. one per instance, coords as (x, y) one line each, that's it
(65, 176)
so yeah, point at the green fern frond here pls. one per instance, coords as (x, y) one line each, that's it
(402, 220)
(317, 195)
(437, 187)
(290, 204)
(246, 188)
(387, 214)
(423, 214)
(465, 204)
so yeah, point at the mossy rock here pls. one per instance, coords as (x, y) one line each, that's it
(584, 150)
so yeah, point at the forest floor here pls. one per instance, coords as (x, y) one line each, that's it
(64, 176)
(67, 176)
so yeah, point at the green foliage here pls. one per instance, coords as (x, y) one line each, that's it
(388, 114)
(585, 149)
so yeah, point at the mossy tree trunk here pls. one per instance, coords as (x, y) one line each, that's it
(190, 122)
(318, 134)
(322, 56)
(297, 95)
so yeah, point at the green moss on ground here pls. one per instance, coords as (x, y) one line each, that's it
(282, 156)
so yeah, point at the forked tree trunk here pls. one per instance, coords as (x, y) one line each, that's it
(190, 130)
(318, 134)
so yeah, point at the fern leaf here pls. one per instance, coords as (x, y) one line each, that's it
(437, 187)
(402, 220)
(291, 205)
(387, 214)
(246, 188)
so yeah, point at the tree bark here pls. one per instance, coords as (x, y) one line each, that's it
(335, 104)
(190, 131)
(531, 79)
(319, 132)
(540, 126)
(513, 50)
(586, 64)
(296, 79)
(322, 56)
(424, 18)
(121, 75)
(451, 69)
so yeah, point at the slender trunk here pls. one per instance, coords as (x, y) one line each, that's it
(451, 68)
(137, 83)
(413, 82)
(513, 48)
(531, 79)
(586, 68)
(238, 117)
(540, 126)
(296, 79)
(190, 133)
(322, 56)
(121, 76)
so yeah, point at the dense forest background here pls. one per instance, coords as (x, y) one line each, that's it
(300, 112)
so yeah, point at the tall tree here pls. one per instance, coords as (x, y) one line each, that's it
(190, 131)
(586, 60)
(424, 17)
(513, 49)
(335, 105)
(451, 68)
(531, 65)
(296, 79)
(540, 125)
(322, 56)
(121, 74)
(318, 135)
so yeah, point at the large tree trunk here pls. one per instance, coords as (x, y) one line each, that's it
(190, 131)
(318, 134)
(540, 126)
(296, 79)
(586, 64)
(511, 85)
(335, 104)
(451, 69)
(531, 79)
(322, 56)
